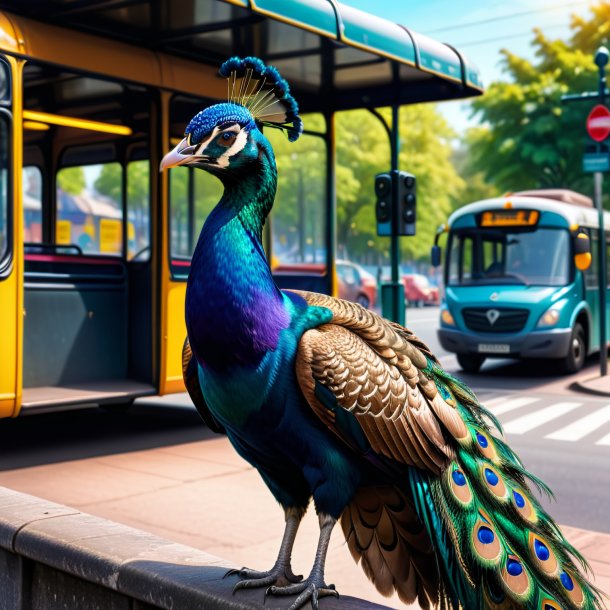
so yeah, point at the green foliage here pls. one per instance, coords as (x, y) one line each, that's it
(531, 138)
(71, 180)
(108, 182)
(362, 152)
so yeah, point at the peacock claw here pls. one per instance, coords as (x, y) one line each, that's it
(252, 579)
(310, 590)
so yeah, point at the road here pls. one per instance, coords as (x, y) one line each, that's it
(159, 469)
(562, 436)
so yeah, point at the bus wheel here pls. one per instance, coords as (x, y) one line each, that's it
(470, 363)
(575, 359)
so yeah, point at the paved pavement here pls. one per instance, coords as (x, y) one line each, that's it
(189, 486)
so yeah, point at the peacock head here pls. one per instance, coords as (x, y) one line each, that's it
(226, 136)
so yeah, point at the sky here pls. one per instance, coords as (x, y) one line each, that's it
(479, 29)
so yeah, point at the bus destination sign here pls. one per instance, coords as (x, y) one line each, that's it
(509, 218)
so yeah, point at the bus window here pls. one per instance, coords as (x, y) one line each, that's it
(298, 219)
(532, 258)
(179, 212)
(193, 195)
(138, 210)
(4, 143)
(89, 208)
(591, 274)
(32, 204)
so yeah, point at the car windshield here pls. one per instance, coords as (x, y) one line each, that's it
(539, 257)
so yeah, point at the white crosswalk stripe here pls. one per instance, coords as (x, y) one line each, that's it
(583, 426)
(528, 422)
(604, 441)
(503, 405)
(587, 421)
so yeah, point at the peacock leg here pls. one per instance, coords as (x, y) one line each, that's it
(282, 569)
(314, 587)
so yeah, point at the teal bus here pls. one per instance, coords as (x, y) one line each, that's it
(521, 279)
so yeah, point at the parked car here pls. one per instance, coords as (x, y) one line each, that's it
(419, 291)
(356, 284)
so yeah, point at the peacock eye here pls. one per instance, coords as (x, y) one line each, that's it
(227, 138)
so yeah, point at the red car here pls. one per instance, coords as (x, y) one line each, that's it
(356, 284)
(419, 291)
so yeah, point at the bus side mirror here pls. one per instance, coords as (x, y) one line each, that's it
(582, 251)
(435, 256)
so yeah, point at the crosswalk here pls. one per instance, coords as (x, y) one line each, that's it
(552, 418)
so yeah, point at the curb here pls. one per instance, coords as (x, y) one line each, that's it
(589, 386)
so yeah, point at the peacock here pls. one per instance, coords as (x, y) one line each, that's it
(328, 400)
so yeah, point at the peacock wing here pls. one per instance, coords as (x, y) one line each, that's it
(191, 381)
(376, 386)
(364, 376)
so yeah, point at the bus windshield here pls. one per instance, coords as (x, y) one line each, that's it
(501, 256)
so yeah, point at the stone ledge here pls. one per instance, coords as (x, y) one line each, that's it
(108, 558)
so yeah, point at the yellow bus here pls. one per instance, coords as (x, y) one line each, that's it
(95, 243)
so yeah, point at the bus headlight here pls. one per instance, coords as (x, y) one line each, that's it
(549, 318)
(447, 318)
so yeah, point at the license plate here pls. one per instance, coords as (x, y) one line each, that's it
(494, 348)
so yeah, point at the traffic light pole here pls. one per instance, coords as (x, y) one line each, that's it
(398, 301)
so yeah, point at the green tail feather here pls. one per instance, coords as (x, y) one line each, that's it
(510, 550)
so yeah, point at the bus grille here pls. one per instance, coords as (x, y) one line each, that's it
(495, 319)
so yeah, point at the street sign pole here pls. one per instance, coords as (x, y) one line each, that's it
(598, 163)
(601, 60)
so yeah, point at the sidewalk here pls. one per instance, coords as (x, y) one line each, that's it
(203, 495)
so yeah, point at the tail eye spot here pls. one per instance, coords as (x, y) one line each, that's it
(519, 500)
(491, 476)
(566, 581)
(458, 477)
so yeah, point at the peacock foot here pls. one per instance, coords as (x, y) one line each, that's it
(310, 590)
(252, 579)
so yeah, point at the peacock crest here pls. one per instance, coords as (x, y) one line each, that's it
(264, 93)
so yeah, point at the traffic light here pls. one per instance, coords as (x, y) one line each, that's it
(405, 185)
(383, 207)
(407, 203)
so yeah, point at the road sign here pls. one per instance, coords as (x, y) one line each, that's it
(596, 162)
(598, 123)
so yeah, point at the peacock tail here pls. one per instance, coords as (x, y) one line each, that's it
(501, 537)
(493, 546)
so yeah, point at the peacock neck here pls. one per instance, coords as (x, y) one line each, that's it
(234, 310)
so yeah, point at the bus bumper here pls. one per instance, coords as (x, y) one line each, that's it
(552, 343)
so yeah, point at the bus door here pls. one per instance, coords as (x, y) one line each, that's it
(87, 275)
(10, 277)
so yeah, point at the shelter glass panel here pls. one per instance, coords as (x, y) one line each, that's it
(89, 208)
(298, 219)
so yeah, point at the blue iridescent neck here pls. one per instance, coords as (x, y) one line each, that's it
(234, 310)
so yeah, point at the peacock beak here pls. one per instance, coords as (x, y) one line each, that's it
(175, 157)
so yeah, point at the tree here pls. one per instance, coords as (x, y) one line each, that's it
(71, 180)
(362, 152)
(532, 139)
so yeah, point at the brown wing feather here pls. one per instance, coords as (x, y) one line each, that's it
(375, 370)
(191, 381)
(384, 535)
